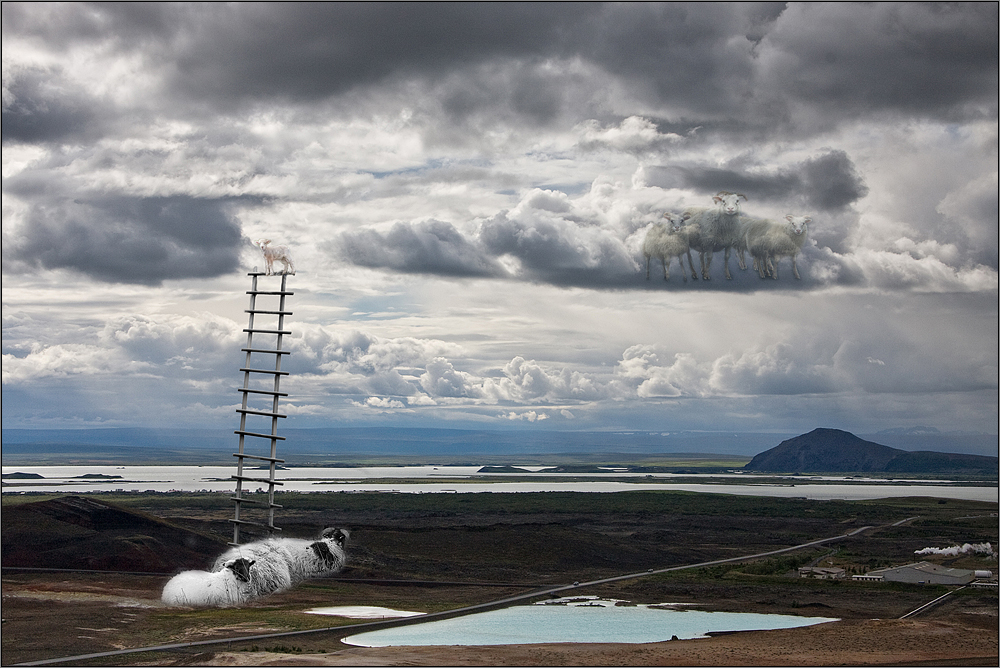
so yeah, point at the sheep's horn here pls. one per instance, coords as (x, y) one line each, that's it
(723, 192)
(743, 196)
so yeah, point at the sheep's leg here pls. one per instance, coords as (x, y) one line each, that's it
(741, 258)
(694, 274)
(773, 262)
(666, 272)
(729, 276)
(680, 261)
(706, 265)
(795, 270)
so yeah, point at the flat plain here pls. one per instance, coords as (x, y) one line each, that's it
(438, 552)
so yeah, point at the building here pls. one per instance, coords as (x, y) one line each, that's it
(822, 573)
(921, 572)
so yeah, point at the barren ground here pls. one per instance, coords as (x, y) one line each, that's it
(425, 544)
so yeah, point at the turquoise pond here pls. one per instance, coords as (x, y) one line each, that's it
(577, 620)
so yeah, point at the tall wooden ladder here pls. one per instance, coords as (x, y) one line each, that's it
(256, 384)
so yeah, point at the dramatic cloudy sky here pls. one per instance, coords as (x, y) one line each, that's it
(465, 189)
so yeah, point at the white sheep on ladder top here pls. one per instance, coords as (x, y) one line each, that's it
(272, 253)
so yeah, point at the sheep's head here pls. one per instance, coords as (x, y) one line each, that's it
(241, 568)
(338, 536)
(261, 243)
(673, 220)
(729, 202)
(797, 224)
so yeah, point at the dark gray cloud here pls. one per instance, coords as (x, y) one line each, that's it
(709, 62)
(831, 181)
(130, 239)
(431, 247)
(313, 50)
(828, 182)
(559, 251)
(925, 58)
(41, 106)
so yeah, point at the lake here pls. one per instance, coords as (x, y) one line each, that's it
(456, 479)
(578, 620)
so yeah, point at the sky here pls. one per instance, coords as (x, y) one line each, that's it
(465, 190)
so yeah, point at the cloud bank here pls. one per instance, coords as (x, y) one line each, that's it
(466, 188)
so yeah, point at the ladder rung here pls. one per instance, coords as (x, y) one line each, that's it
(269, 292)
(267, 331)
(253, 433)
(247, 389)
(252, 412)
(239, 499)
(266, 481)
(268, 312)
(264, 350)
(256, 524)
(266, 459)
(276, 373)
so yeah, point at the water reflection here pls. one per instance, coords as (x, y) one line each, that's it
(578, 620)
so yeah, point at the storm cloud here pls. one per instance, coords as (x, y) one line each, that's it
(466, 187)
(130, 240)
(827, 182)
(430, 247)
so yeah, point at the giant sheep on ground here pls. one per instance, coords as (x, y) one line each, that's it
(272, 253)
(768, 241)
(246, 572)
(223, 588)
(667, 241)
(720, 229)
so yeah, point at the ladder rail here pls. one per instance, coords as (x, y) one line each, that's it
(249, 373)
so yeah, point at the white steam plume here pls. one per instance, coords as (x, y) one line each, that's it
(955, 550)
(246, 572)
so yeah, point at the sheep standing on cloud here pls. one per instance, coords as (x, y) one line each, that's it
(247, 572)
(769, 241)
(667, 242)
(272, 253)
(720, 230)
(725, 227)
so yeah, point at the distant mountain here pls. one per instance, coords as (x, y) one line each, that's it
(833, 450)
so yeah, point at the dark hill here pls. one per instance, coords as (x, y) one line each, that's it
(833, 450)
(943, 463)
(76, 532)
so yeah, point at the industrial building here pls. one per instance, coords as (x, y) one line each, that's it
(921, 572)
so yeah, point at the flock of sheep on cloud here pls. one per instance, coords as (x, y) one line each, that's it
(724, 227)
(247, 572)
(705, 230)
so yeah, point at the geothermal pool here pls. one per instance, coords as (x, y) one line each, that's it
(578, 620)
